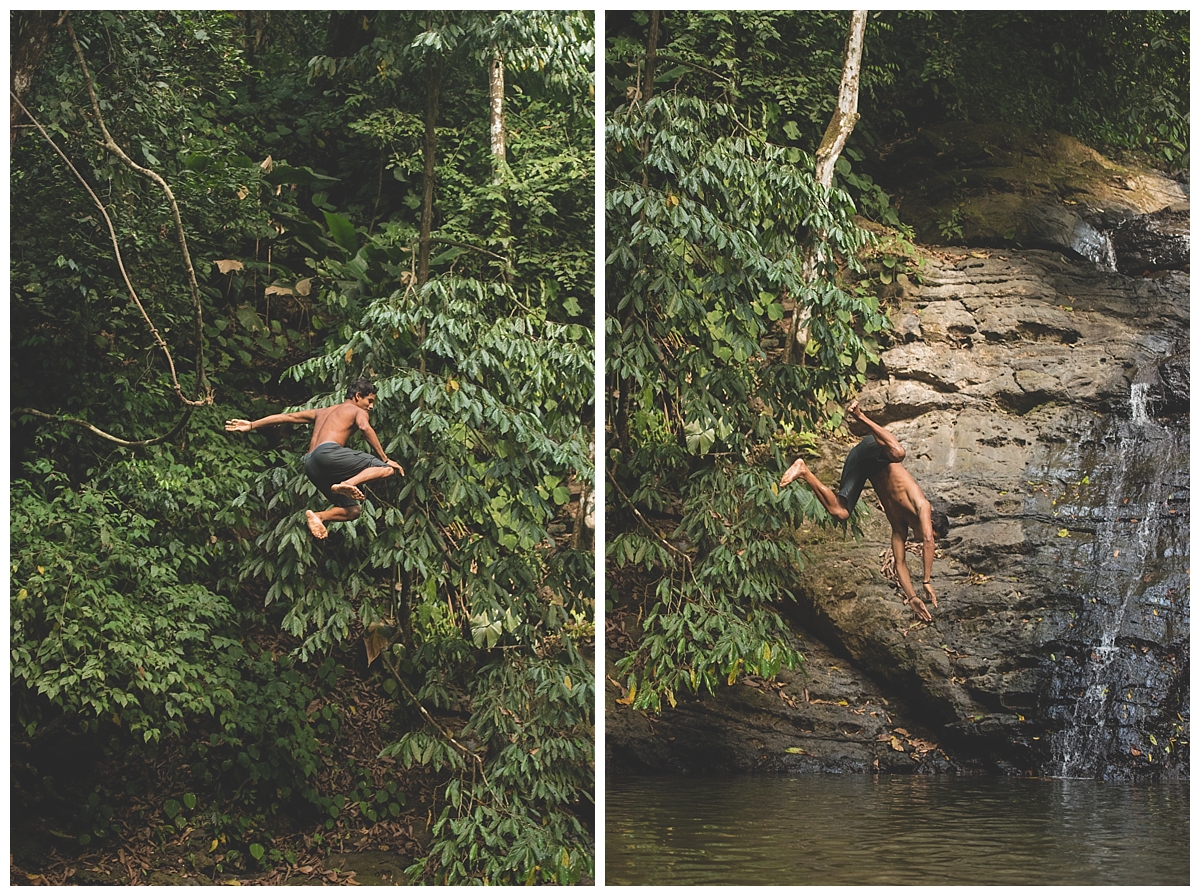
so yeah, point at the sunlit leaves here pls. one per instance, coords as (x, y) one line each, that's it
(707, 229)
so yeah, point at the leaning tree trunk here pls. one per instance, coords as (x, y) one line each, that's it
(433, 90)
(29, 37)
(840, 127)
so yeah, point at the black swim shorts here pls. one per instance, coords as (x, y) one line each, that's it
(864, 460)
(330, 463)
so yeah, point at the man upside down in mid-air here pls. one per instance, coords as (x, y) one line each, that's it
(877, 458)
(336, 471)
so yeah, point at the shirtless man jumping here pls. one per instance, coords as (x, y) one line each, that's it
(336, 471)
(877, 457)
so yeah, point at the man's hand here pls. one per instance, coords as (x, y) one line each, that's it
(399, 469)
(238, 426)
(853, 410)
(929, 591)
(918, 607)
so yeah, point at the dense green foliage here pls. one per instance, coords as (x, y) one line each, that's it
(294, 145)
(707, 224)
(1117, 80)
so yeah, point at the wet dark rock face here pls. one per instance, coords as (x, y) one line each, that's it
(1160, 241)
(1002, 186)
(1043, 402)
(1061, 455)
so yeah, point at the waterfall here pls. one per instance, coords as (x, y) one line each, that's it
(1094, 245)
(1127, 578)
(1139, 394)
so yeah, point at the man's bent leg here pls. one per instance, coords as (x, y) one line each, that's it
(350, 487)
(887, 441)
(830, 501)
(316, 521)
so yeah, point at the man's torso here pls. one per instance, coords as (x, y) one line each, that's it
(900, 496)
(334, 424)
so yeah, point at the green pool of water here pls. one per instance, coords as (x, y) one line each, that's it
(879, 830)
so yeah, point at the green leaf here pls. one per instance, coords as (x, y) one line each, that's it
(342, 231)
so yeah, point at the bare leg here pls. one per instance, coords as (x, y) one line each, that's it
(316, 521)
(350, 488)
(831, 501)
(891, 445)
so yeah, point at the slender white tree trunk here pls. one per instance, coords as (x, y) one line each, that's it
(496, 101)
(841, 125)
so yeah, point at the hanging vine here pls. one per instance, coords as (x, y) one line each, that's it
(190, 404)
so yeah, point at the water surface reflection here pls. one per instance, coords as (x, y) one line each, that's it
(892, 829)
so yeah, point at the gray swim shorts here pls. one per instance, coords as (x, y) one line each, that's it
(330, 463)
(864, 460)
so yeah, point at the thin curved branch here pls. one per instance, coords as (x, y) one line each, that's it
(458, 245)
(645, 522)
(111, 145)
(112, 232)
(124, 443)
(431, 720)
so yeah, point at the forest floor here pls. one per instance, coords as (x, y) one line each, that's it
(145, 847)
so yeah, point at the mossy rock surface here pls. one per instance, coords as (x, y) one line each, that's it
(1001, 185)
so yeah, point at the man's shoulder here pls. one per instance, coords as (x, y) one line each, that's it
(349, 414)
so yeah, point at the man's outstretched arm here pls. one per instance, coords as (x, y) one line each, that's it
(899, 543)
(238, 425)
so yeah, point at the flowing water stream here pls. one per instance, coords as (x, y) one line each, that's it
(894, 829)
(1125, 555)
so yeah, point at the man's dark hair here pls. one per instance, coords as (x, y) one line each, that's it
(941, 524)
(361, 386)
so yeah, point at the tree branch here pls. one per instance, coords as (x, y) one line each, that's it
(458, 245)
(111, 145)
(430, 719)
(645, 522)
(202, 380)
(174, 431)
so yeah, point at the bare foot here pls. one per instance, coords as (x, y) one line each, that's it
(794, 472)
(315, 526)
(918, 607)
(347, 491)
